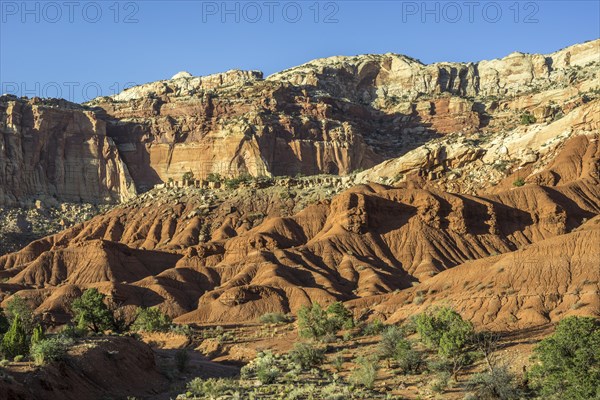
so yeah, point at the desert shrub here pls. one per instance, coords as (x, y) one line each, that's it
(19, 306)
(211, 388)
(234, 183)
(182, 359)
(569, 361)
(182, 329)
(314, 322)
(14, 342)
(151, 320)
(372, 328)
(306, 355)
(19, 358)
(519, 182)
(440, 382)
(214, 177)
(37, 335)
(274, 318)
(445, 330)
(408, 359)
(394, 345)
(365, 372)
(187, 176)
(338, 362)
(91, 313)
(48, 350)
(439, 365)
(72, 331)
(527, 118)
(264, 367)
(497, 384)
(335, 391)
(341, 316)
(389, 338)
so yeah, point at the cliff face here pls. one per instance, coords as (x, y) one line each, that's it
(332, 115)
(57, 151)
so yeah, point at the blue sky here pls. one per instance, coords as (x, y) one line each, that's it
(50, 48)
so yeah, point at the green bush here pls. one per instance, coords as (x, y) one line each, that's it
(151, 320)
(440, 382)
(527, 118)
(389, 338)
(14, 342)
(497, 384)
(274, 318)
(445, 330)
(519, 182)
(373, 328)
(307, 355)
(569, 361)
(338, 362)
(71, 331)
(408, 359)
(19, 306)
(38, 334)
(48, 350)
(211, 388)
(341, 316)
(264, 367)
(315, 323)
(188, 176)
(214, 177)
(365, 372)
(182, 359)
(91, 313)
(234, 183)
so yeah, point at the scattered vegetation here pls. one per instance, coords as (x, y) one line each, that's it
(314, 322)
(48, 350)
(19, 306)
(365, 372)
(234, 183)
(210, 388)
(275, 318)
(14, 342)
(497, 384)
(307, 356)
(445, 330)
(527, 118)
(568, 362)
(151, 320)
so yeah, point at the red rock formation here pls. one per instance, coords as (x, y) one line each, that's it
(57, 151)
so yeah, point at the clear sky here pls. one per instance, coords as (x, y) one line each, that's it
(81, 49)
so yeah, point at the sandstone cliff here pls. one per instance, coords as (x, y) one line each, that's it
(332, 115)
(57, 151)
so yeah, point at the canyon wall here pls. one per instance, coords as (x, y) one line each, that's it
(57, 151)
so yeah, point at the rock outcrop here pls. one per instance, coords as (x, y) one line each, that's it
(53, 151)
